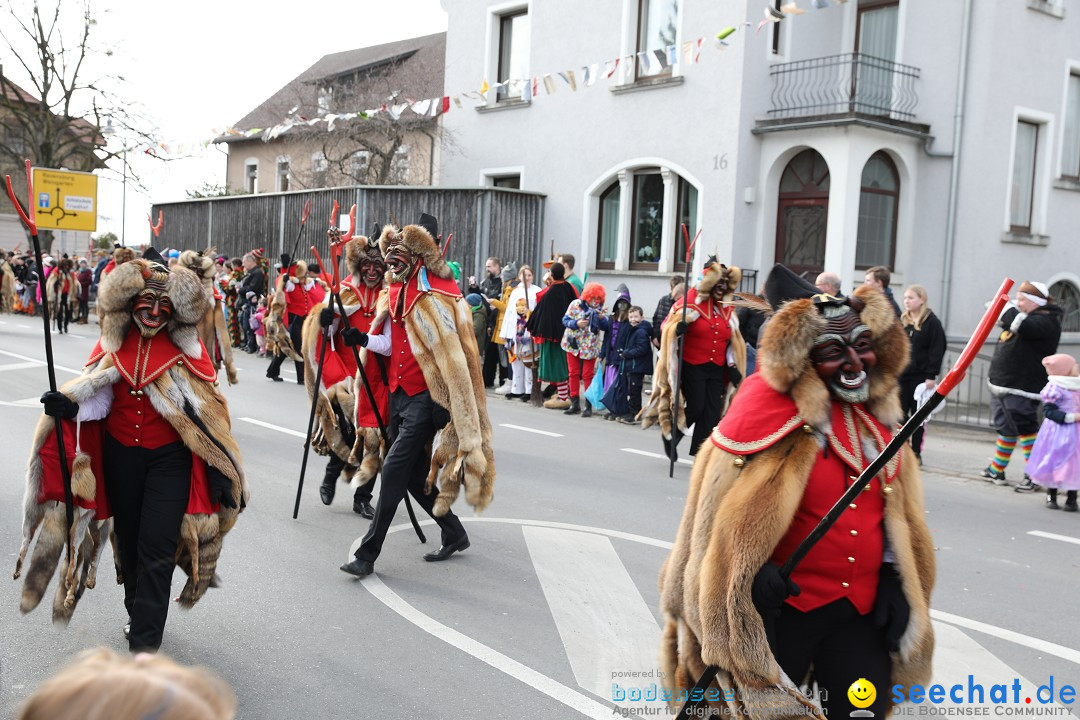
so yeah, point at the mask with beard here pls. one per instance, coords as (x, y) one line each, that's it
(153, 308)
(843, 354)
(399, 261)
(372, 269)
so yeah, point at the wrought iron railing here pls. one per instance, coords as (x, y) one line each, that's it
(969, 403)
(850, 84)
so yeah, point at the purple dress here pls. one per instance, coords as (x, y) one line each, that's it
(1055, 459)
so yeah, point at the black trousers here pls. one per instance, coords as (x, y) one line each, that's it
(634, 383)
(63, 313)
(245, 326)
(843, 646)
(337, 464)
(84, 306)
(704, 387)
(296, 325)
(493, 364)
(907, 402)
(404, 470)
(148, 491)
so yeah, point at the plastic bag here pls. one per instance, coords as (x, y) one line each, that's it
(595, 392)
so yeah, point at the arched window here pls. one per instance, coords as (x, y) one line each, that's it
(802, 213)
(607, 235)
(1067, 297)
(878, 202)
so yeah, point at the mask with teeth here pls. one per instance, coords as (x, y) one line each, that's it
(152, 308)
(843, 354)
(399, 261)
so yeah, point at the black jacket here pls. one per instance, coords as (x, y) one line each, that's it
(662, 309)
(1017, 362)
(253, 282)
(635, 350)
(546, 321)
(927, 350)
(489, 287)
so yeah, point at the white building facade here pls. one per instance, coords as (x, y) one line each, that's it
(940, 139)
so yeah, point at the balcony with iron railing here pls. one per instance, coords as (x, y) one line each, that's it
(852, 88)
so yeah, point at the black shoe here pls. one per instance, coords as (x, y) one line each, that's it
(363, 509)
(358, 567)
(275, 378)
(994, 476)
(549, 391)
(586, 411)
(326, 492)
(447, 550)
(1070, 501)
(514, 396)
(1027, 486)
(1051, 501)
(575, 407)
(526, 397)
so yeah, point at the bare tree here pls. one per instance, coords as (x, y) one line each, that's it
(56, 121)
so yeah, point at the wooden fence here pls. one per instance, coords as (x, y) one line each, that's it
(485, 221)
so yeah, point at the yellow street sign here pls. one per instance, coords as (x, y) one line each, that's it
(65, 200)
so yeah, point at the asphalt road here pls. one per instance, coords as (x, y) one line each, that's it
(556, 594)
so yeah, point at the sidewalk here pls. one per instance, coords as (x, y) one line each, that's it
(960, 452)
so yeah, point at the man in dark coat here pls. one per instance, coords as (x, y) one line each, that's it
(251, 287)
(1031, 330)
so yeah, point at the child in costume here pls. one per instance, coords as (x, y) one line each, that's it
(257, 326)
(1055, 458)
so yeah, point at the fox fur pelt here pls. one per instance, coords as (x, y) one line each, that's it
(737, 512)
(212, 330)
(7, 287)
(441, 335)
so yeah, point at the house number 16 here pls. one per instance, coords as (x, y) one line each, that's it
(719, 162)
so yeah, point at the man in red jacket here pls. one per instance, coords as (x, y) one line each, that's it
(297, 293)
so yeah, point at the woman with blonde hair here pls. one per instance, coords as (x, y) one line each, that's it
(102, 685)
(927, 338)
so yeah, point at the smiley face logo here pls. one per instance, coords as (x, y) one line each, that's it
(862, 693)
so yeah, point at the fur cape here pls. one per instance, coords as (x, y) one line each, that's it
(440, 332)
(193, 406)
(659, 409)
(339, 402)
(7, 287)
(54, 285)
(739, 508)
(212, 330)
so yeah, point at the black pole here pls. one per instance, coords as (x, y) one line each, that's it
(378, 418)
(65, 470)
(300, 232)
(678, 370)
(311, 421)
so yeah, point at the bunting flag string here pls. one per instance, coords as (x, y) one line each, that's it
(625, 69)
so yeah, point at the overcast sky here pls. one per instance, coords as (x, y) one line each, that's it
(198, 66)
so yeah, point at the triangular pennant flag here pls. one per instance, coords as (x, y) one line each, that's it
(568, 76)
(819, 4)
(591, 73)
(662, 58)
(446, 104)
(610, 67)
(549, 84)
(791, 9)
(421, 107)
(688, 52)
(485, 87)
(648, 62)
(629, 66)
(697, 48)
(673, 54)
(527, 91)
(457, 102)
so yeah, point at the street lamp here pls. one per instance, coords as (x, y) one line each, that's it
(110, 130)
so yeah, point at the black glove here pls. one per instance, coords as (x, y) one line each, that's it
(768, 593)
(59, 405)
(891, 609)
(286, 261)
(326, 318)
(681, 328)
(440, 416)
(220, 487)
(354, 337)
(735, 376)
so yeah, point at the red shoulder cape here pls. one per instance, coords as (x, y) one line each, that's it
(421, 283)
(142, 360)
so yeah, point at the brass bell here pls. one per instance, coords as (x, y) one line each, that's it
(807, 429)
(887, 490)
(740, 461)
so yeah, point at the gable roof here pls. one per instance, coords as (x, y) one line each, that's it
(417, 66)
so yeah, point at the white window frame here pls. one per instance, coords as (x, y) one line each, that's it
(1072, 67)
(277, 172)
(495, 14)
(319, 159)
(1043, 162)
(628, 44)
(401, 165)
(488, 175)
(354, 165)
(251, 162)
(671, 239)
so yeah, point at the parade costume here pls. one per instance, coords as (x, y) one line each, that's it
(7, 287)
(120, 256)
(297, 292)
(343, 408)
(148, 435)
(1055, 457)
(713, 354)
(437, 395)
(61, 289)
(546, 327)
(212, 330)
(818, 410)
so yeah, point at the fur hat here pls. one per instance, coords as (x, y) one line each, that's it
(360, 248)
(509, 272)
(122, 255)
(1060, 364)
(788, 338)
(418, 241)
(429, 223)
(119, 288)
(711, 276)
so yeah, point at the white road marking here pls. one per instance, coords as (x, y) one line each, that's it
(40, 362)
(19, 366)
(81, 337)
(270, 426)
(1044, 646)
(529, 429)
(658, 456)
(603, 621)
(553, 689)
(26, 403)
(1054, 536)
(22, 326)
